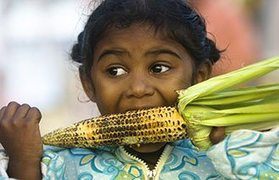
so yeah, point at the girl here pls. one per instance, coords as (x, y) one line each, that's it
(133, 54)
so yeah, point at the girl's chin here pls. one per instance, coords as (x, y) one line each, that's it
(148, 148)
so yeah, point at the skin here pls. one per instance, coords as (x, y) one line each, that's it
(134, 68)
(20, 137)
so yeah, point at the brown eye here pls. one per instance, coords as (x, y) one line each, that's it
(159, 68)
(116, 71)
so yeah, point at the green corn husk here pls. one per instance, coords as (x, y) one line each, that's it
(217, 103)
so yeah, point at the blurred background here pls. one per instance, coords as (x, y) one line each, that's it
(36, 38)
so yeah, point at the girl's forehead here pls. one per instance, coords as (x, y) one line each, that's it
(138, 29)
(138, 41)
(136, 33)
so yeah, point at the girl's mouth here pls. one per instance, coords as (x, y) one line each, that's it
(136, 108)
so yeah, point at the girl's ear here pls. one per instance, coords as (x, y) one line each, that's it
(203, 72)
(87, 85)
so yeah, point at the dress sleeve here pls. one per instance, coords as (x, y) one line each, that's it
(52, 165)
(247, 154)
(3, 164)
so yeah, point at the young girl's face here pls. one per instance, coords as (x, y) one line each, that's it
(134, 68)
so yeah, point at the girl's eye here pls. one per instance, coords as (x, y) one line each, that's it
(116, 71)
(159, 68)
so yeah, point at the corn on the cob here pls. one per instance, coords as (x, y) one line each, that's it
(202, 106)
(163, 124)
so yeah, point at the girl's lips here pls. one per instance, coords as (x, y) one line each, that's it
(135, 108)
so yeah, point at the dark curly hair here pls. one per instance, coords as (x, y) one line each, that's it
(175, 18)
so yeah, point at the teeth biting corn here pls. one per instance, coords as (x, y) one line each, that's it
(163, 124)
(202, 106)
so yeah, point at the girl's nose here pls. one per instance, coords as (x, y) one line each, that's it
(139, 87)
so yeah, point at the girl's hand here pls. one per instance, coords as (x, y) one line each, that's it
(217, 134)
(20, 137)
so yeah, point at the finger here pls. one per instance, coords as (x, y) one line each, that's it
(2, 110)
(10, 110)
(20, 114)
(217, 134)
(34, 114)
(22, 111)
(265, 130)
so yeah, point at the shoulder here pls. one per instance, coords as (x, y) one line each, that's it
(247, 153)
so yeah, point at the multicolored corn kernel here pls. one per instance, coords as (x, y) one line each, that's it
(163, 124)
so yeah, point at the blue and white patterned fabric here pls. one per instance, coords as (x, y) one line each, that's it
(247, 154)
(179, 160)
(244, 154)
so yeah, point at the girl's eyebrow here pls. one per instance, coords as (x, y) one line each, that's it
(108, 52)
(162, 51)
